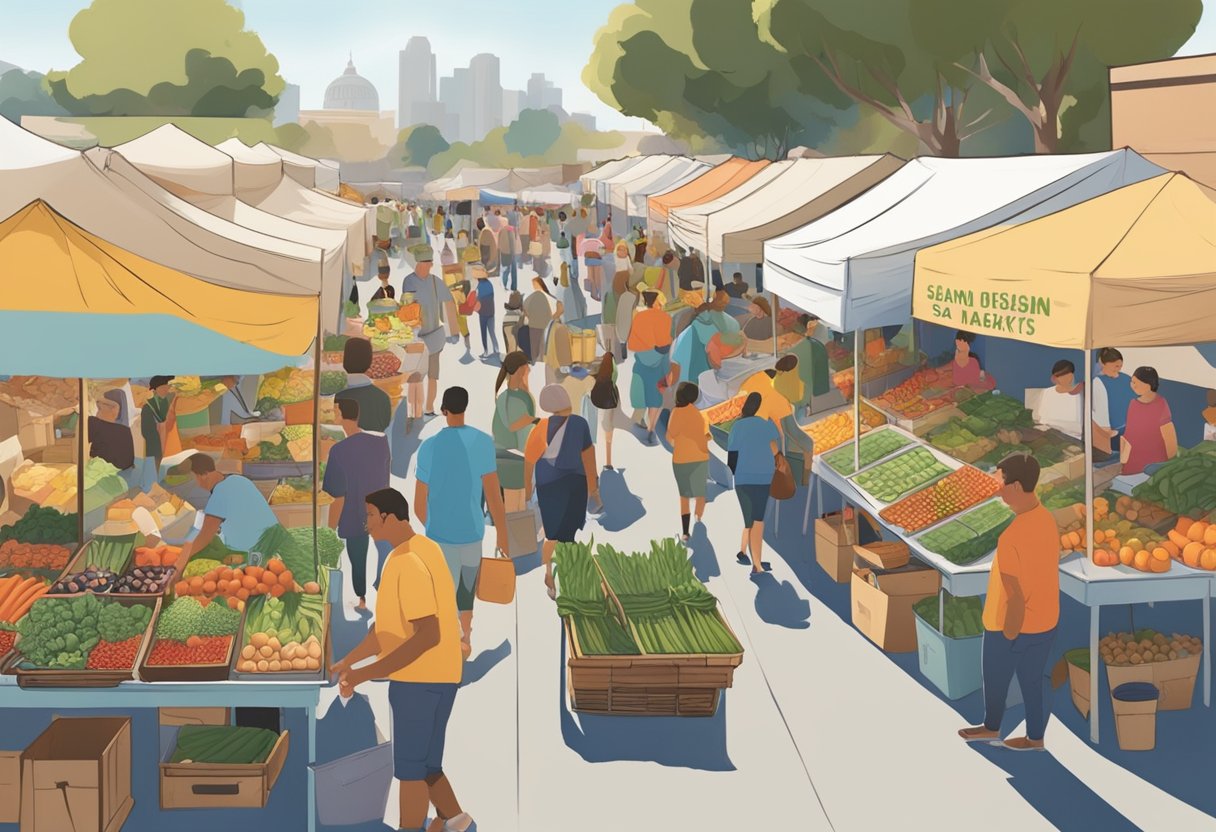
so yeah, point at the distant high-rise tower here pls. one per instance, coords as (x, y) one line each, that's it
(416, 83)
(543, 94)
(486, 89)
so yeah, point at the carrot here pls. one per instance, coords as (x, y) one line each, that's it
(14, 598)
(29, 602)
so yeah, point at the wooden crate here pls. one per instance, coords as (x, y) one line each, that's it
(647, 684)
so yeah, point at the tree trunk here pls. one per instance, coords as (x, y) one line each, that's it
(1047, 131)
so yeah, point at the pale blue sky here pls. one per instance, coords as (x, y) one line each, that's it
(311, 38)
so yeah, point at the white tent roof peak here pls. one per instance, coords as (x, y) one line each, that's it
(179, 162)
(23, 149)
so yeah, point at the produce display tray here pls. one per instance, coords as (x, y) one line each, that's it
(919, 425)
(947, 460)
(28, 677)
(78, 562)
(186, 672)
(912, 441)
(283, 676)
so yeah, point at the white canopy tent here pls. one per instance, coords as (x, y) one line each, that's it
(207, 177)
(242, 224)
(547, 196)
(311, 173)
(629, 198)
(640, 166)
(853, 268)
(689, 227)
(805, 191)
(589, 179)
(160, 228)
(257, 168)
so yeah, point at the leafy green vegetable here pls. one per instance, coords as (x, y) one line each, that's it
(336, 343)
(181, 620)
(41, 525)
(332, 382)
(329, 546)
(200, 566)
(276, 540)
(219, 619)
(57, 628)
(118, 622)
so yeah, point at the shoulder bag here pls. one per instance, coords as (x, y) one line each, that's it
(782, 486)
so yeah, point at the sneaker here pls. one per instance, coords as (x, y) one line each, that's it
(461, 823)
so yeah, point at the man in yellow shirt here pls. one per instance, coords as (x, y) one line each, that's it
(415, 638)
(1022, 607)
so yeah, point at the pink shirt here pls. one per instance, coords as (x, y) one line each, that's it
(968, 375)
(1144, 423)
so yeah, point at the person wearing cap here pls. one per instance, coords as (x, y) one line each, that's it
(438, 306)
(157, 417)
(386, 290)
(650, 343)
(559, 464)
(485, 310)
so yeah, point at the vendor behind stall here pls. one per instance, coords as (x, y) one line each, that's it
(812, 357)
(109, 438)
(966, 369)
(236, 510)
(737, 288)
(1150, 438)
(158, 415)
(385, 291)
(1060, 407)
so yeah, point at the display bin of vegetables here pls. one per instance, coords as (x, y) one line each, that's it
(675, 652)
(219, 766)
(283, 638)
(17, 594)
(96, 568)
(84, 641)
(193, 641)
(949, 642)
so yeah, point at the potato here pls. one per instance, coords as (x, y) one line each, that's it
(248, 667)
(275, 664)
(249, 652)
(1161, 657)
(1135, 659)
(263, 666)
(299, 664)
(1121, 661)
(314, 651)
(276, 644)
(266, 651)
(259, 640)
(288, 652)
(313, 664)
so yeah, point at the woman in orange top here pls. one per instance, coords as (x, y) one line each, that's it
(688, 432)
(650, 343)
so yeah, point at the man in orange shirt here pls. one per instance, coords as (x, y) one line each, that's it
(1022, 608)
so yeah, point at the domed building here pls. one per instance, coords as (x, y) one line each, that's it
(351, 91)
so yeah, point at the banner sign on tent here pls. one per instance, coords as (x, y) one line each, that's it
(1008, 314)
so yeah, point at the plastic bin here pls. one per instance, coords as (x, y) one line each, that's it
(953, 665)
(1135, 707)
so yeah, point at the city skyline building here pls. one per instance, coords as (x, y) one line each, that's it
(417, 82)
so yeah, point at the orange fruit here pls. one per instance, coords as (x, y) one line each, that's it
(1207, 560)
(1160, 566)
(1141, 561)
(1209, 535)
(1161, 553)
(1172, 548)
(1192, 553)
(1127, 555)
(1197, 531)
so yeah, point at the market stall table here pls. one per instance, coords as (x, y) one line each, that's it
(303, 695)
(1099, 586)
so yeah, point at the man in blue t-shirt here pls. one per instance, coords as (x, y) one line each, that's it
(456, 471)
(236, 510)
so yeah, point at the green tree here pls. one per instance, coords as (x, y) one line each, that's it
(136, 59)
(1041, 55)
(532, 133)
(26, 94)
(422, 143)
(700, 68)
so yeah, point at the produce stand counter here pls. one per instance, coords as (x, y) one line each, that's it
(131, 695)
(1099, 586)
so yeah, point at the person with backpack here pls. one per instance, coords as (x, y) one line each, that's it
(456, 470)
(514, 418)
(559, 465)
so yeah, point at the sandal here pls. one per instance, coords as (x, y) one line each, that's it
(743, 559)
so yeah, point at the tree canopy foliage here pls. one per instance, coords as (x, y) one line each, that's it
(762, 75)
(138, 59)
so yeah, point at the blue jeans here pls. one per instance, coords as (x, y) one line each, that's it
(1026, 656)
(488, 336)
(420, 725)
(510, 267)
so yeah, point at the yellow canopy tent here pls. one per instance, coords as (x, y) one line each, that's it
(1135, 267)
(80, 304)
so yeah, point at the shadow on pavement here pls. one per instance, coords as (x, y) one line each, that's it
(703, 557)
(404, 444)
(778, 603)
(621, 507)
(679, 742)
(1054, 791)
(476, 668)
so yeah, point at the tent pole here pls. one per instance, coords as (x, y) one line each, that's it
(857, 338)
(775, 309)
(1087, 421)
(316, 440)
(82, 447)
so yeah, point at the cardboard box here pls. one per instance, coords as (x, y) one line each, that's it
(77, 776)
(194, 716)
(1174, 678)
(32, 431)
(216, 786)
(10, 786)
(296, 515)
(834, 541)
(882, 603)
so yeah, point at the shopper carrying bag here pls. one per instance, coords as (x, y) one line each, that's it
(496, 580)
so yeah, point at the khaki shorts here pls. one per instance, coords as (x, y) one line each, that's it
(432, 369)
